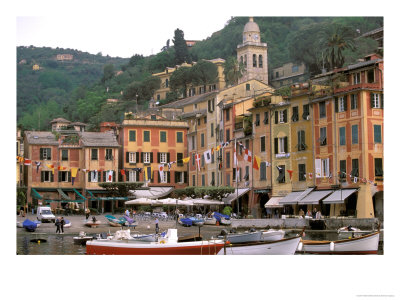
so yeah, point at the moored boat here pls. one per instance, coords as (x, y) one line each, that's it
(93, 222)
(197, 221)
(210, 221)
(366, 244)
(67, 223)
(82, 238)
(272, 235)
(281, 247)
(350, 232)
(29, 225)
(185, 222)
(222, 219)
(167, 245)
(242, 237)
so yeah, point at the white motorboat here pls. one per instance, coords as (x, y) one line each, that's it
(350, 232)
(282, 247)
(272, 235)
(210, 221)
(242, 237)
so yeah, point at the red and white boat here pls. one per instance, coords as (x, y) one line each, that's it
(167, 245)
(366, 244)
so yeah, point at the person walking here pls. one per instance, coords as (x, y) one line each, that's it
(62, 223)
(58, 225)
(156, 222)
(87, 212)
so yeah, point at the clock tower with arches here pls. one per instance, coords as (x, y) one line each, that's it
(253, 54)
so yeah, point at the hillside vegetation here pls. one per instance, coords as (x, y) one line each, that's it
(77, 90)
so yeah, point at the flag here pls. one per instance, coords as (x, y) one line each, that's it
(267, 164)
(161, 170)
(290, 173)
(20, 159)
(170, 164)
(51, 167)
(148, 173)
(27, 162)
(310, 175)
(123, 172)
(247, 155)
(257, 162)
(85, 170)
(212, 150)
(279, 168)
(198, 161)
(38, 163)
(61, 168)
(74, 171)
(218, 147)
(355, 179)
(110, 174)
(186, 159)
(207, 156)
(234, 157)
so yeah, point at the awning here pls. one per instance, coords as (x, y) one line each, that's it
(79, 194)
(35, 194)
(207, 202)
(169, 201)
(152, 192)
(273, 202)
(113, 198)
(295, 197)
(314, 197)
(237, 194)
(63, 195)
(338, 196)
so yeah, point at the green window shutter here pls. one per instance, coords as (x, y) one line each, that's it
(299, 140)
(285, 116)
(336, 104)
(141, 157)
(42, 176)
(179, 137)
(51, 177)
(176, 173)
(168, 157)
(381, 100)
(371, 95)
(377, 134)
(168, 176)
(89, 177)
(158, 177)
(146, 136)
(132, 135)
(69, 176)
(354, 134)
(59, 176)
(104, 176)
(163, 136)
(49, 153)
(158, 157)
(345, 102)
(127, 157)
(185, 177)
(151, 157)
(342, 135)
(285, 144)
(276, 145)
(113, 176)
(41, 153)
(276, 117)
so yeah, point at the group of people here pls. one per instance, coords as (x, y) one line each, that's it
(130, 213)
(60, 222)
(314, 214)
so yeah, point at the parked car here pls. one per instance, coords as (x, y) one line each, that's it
(44, 214)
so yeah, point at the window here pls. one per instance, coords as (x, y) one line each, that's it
(322, 109)
(342, 136)
(193, 158)
(302, 172)
(63, 176)
(132, 157)
(247, 176)
(371, 76)
(166, 82)
(179, 137)
(164, 178)
(265, 121)
(254, 60)
(227, 114)
(354, 134)
(260, 61)
(228, 160)
(378, 167)
(342, 167)
(211, 104)
(146, 136)
(212, 129)
(203, 180)
(179, 157)
(295, 69)
(281, 176)
(247, 86)
(276, 74)
(301, 140)
(353, 100)
(163, 136)
(377, 134)
(193, 180)
(46, 176)
(202, 140)
(146, 157)
(228, 135)
(198, 121)
(64, 154)
(325, 167)
(354, 167)
(262, 144)
(306, 111)
(45, 153)
(283, 116)
(133, 176)
(153, 117)
(341, 104)
(163, 157)
(95, 154)
(212, 158)
(376, 100)
(132, 135)
(193, 146)
(205, 120)
(281, 145)
(228, 179)
(202, 161)
(93, 176)
(257, 120)
(322, 136)
(109, 155)
(212, 183)
(356, 78)
(295, 115)
(263, 171)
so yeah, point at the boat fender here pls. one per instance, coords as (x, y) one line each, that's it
(332, 246)
(300, 247)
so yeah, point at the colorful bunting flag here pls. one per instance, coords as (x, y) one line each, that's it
(27, 162)
(207, 156)
(123, 172)
(161, 170)
(74, 171)
(61, 168)
(51, 167)
(37, 163)
(198, 161)
(290, 173)
(186, 160)
(247, 155)
(257, 162)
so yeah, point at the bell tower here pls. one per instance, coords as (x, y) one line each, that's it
(253, 54)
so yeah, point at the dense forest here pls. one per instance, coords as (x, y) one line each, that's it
(77, 90)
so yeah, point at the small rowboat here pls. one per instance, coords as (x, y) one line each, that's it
(367, 244)
(210, 221)
(82, 238)
(93, 222)
(222, 219)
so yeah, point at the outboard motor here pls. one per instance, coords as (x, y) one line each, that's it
(252, 230)
(224, 232)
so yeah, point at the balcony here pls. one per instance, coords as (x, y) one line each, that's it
(348, 88)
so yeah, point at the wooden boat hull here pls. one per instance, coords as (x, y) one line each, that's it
(282, 247)
(139, 248)
(367, 244)
(235, 238)
(272, 235)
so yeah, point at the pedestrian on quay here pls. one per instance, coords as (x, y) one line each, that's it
(58, 225)
(87, 212)
(314, 213)
(308, 214)
(127, 213)
(156, 222)
(62, 223)
(21, 211)
(301, 213)
(318, 215)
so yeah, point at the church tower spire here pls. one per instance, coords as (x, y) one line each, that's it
(253, 53)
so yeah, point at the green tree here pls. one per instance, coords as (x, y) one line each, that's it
(181, 50)
(108, 72)
(180, 80)
(203, 73)
(233, 70)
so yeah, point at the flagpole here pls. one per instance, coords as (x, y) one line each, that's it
(237, 182)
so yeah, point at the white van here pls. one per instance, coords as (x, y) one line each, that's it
(44, 214)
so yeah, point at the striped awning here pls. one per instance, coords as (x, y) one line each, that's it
(295, 197)
(35, 194)
(338, 196)
(314, 197)
(273, 202)
(79, 194)
(63, 195)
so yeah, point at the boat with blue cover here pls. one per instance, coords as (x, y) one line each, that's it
(222, 219)
(29, 225)
(185, 222)
(113, 221)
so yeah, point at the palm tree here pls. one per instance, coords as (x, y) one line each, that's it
(335, 39)
(233, 70)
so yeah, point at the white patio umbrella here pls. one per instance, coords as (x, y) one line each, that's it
(140, 201)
